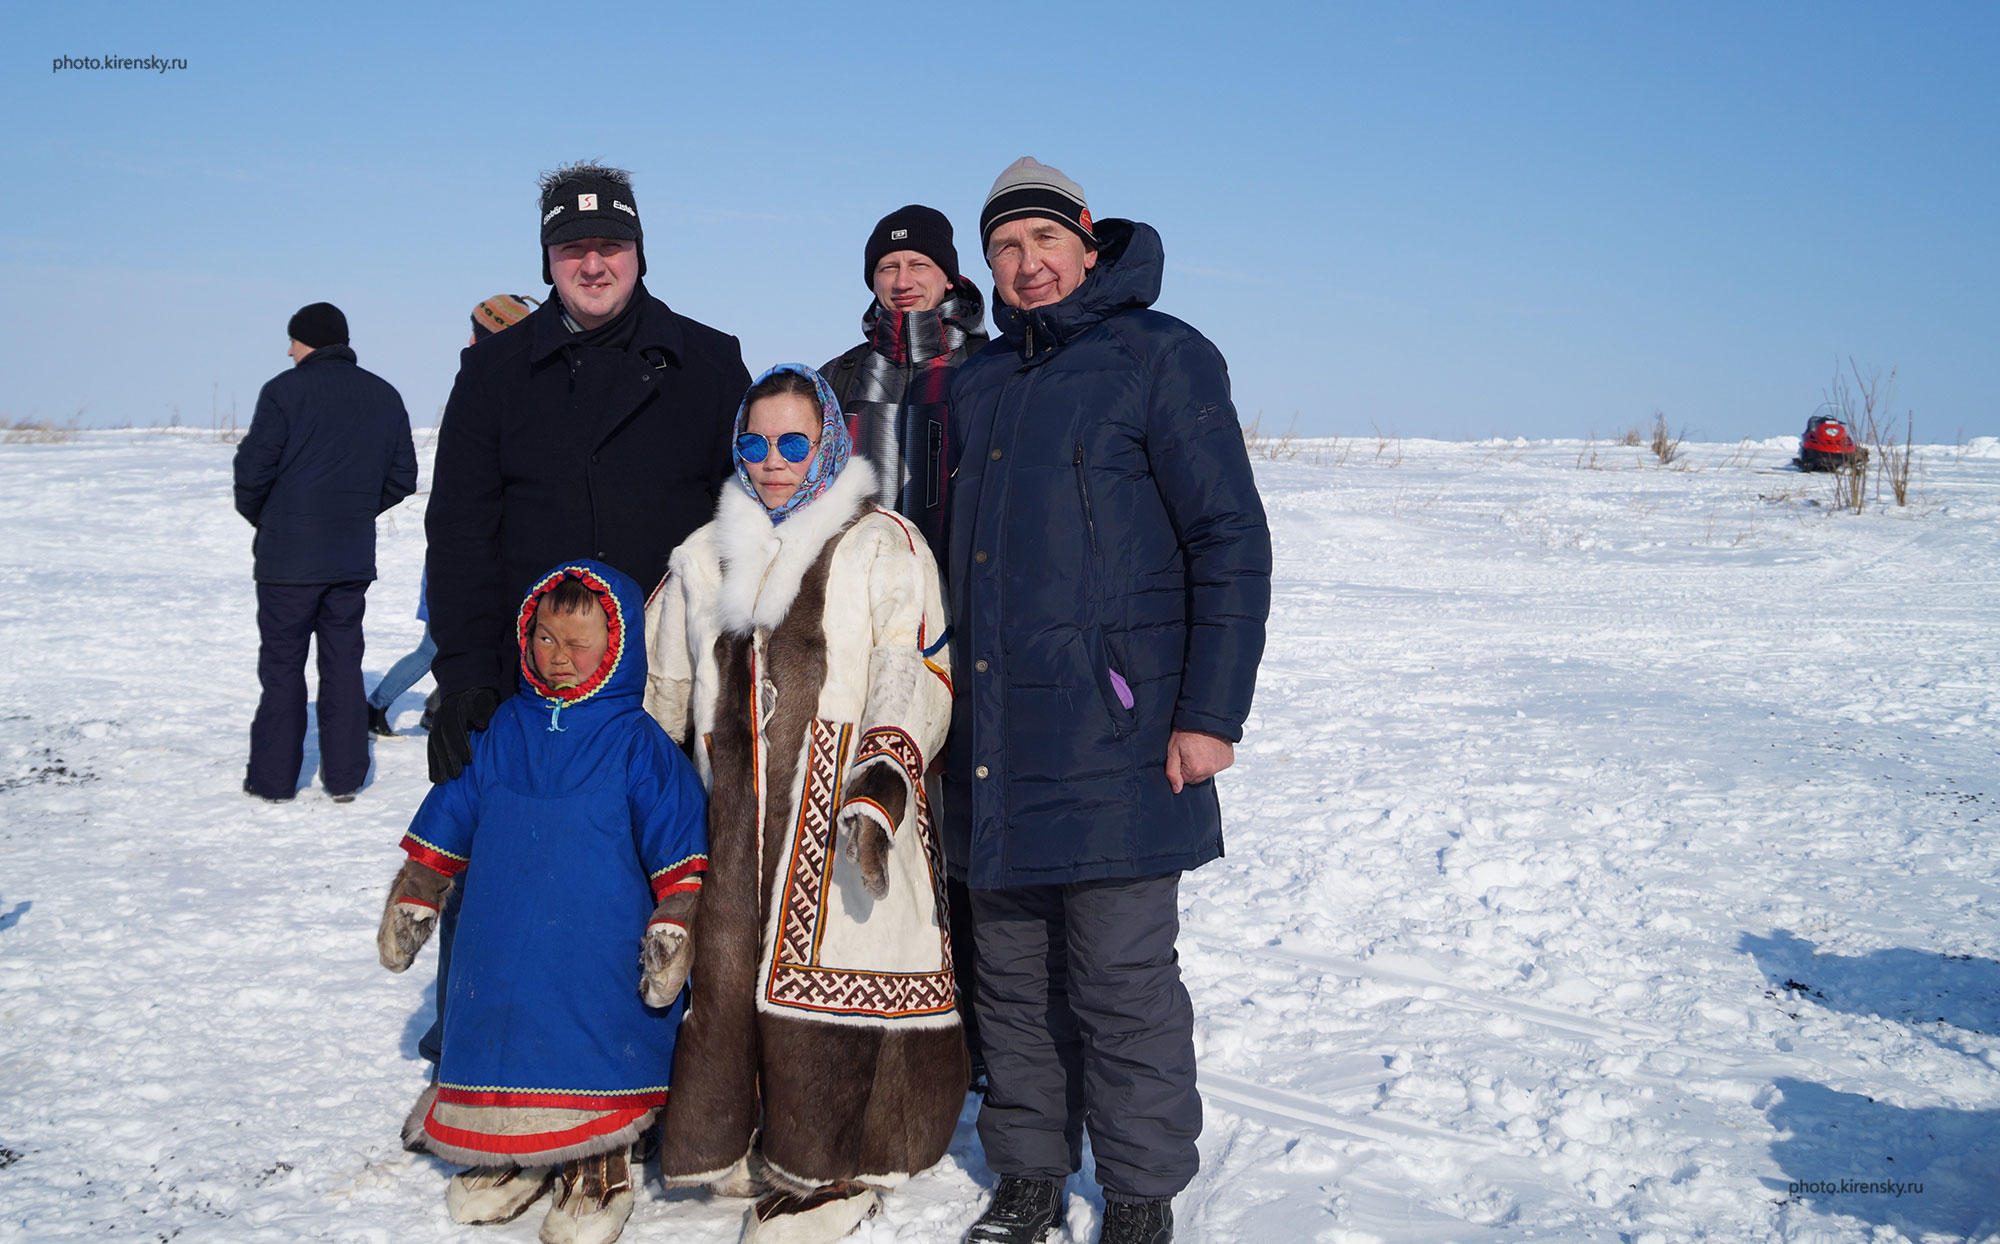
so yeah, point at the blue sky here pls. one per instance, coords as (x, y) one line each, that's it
(1440, 220)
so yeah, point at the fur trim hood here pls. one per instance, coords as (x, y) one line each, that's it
(622, 675)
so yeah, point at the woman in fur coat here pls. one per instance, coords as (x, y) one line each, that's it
(798, 648)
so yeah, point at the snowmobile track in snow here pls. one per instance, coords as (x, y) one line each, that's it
(1417, 975)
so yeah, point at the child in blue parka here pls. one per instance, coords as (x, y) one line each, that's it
(578, 833)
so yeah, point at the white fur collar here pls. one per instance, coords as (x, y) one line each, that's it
(763, 562)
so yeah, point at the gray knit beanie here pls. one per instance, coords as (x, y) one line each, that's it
(1030, 188)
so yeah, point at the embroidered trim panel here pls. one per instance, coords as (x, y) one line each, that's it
(797, 980)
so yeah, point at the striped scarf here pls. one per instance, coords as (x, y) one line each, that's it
(899, 405)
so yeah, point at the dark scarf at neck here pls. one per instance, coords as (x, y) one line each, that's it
(616, 335)
(898, 405)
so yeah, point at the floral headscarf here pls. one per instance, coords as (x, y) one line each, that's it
(835, 445)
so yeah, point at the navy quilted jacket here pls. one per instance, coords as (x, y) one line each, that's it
(1107, 545)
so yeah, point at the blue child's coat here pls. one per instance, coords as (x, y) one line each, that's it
(576, 814)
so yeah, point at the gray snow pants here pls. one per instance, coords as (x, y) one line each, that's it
(1085, 1023)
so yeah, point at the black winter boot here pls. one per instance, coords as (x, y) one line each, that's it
(1137, 1222)
(1023, 1211)
(378, 723)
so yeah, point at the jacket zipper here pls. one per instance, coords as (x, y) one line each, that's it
(1083, 489)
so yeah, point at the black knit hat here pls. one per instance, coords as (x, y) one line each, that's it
(924, 230)
(589, 201)
(318, 324)
(1027, 187)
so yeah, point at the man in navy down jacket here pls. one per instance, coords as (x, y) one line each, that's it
(328, 449)
(1110, 577)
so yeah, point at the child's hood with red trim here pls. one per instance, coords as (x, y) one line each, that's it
(623, 671)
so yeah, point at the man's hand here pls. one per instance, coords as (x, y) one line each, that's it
(452, 726)
(1196, 757)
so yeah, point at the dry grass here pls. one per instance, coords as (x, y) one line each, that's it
(1892, 460)
(1744, 454)
(1632, 438)
(1287, 447)
(1387, 444)
(1665, 447)
(1276, 449)
(37, 432)
(1850, 487)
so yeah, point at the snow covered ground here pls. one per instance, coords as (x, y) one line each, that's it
(1611, 851)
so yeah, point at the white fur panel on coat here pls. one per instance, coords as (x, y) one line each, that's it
(883, 607)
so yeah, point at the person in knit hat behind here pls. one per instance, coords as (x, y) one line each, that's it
(498, 312)
(489, 317)
(895, 387)
(1109, 571)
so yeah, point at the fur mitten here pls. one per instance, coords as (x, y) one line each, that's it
(665, 953)
(410, 914)
(875, 800)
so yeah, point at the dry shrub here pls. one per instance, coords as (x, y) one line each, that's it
(1665, 447)
(1892, 460)
(1850, 487)
(1632, 438)
(1862, 406)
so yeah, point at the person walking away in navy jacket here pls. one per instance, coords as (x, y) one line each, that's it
(328, 449)
(1109, 568)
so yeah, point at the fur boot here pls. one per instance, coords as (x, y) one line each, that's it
(593, 1200)
(819, 1217)
(490, 1194)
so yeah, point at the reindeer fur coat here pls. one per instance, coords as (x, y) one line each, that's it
(803, 663)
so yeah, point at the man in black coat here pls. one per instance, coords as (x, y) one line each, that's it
(328, 449)
(1109, 567)
(597, 427)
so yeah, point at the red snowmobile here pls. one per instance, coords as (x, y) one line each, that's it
(1829, 446)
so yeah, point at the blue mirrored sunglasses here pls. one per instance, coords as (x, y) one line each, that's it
(755, 446)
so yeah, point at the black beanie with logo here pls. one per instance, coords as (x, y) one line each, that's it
(924, 230)
(589, 205)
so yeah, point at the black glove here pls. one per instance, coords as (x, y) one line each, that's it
(458, 715)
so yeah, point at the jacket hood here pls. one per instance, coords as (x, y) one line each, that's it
(623, 673)
(1130, 260)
